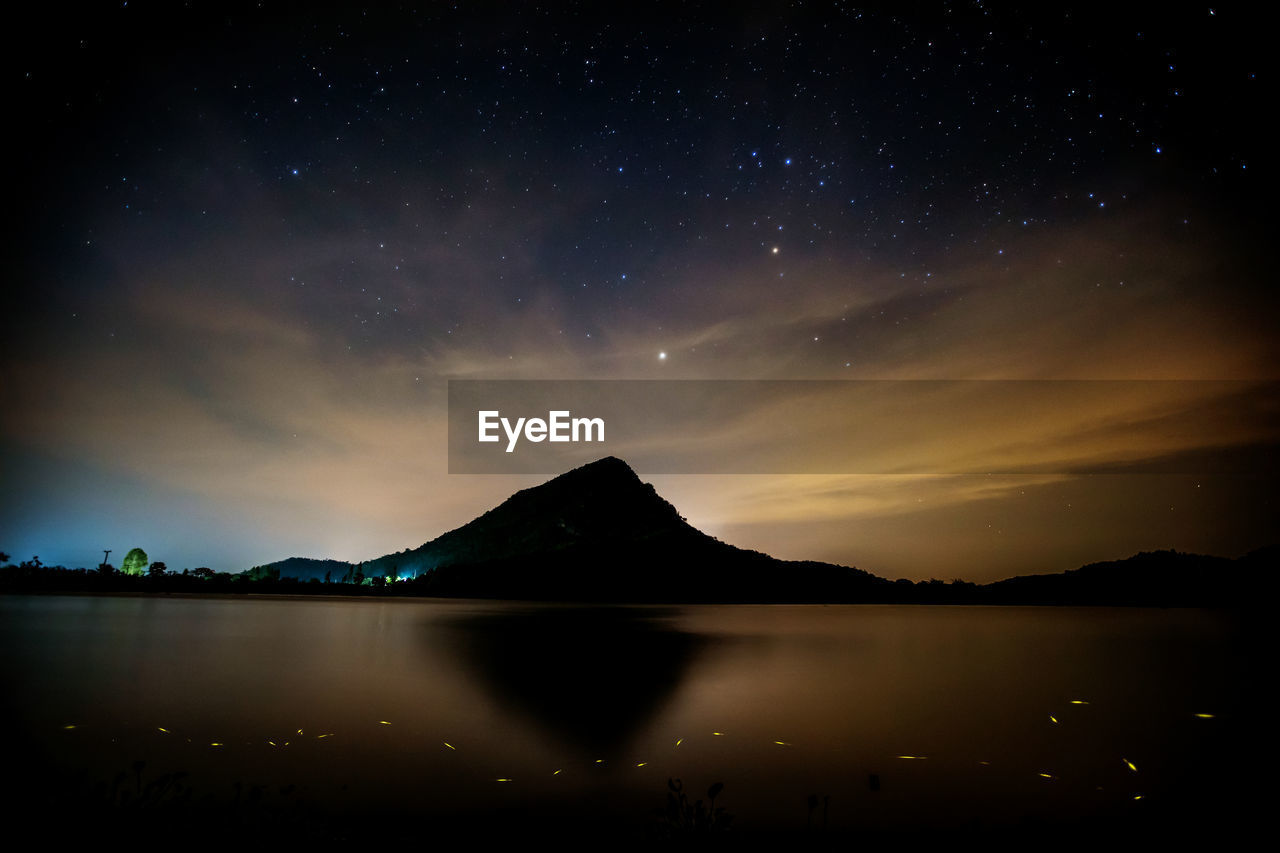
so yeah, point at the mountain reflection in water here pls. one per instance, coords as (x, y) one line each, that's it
(592, 677)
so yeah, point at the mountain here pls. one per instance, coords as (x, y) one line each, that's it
(598, 533)
(304, 569)
(1159, 578)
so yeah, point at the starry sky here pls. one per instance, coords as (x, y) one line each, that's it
(251, 243)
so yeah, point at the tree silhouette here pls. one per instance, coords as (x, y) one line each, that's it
(135, 562)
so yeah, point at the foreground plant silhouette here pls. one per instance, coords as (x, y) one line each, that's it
(682, 818)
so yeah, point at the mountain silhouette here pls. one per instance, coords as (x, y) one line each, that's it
(599, 533)
(1159, 578)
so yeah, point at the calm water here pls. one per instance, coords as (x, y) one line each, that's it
(408, 710)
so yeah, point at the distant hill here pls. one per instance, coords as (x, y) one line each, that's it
(305, 568)
(1157, 578)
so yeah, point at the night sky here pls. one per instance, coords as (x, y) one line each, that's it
(251, 244)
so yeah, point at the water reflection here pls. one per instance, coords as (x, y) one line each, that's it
(591, 677)
(399, 714)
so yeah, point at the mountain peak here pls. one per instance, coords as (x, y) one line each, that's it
(602, 496)
(609, 469)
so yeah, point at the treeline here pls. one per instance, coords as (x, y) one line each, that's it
(29, 577)
(530, 582)
(32, 576)
(1161, 578)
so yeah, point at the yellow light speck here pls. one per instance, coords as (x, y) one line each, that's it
(718, 734)
(1130, 765)
(642, 764)
(503, 779)
(162, 729)
(384, 722)
(677, 742)
(451, 746)
(912, 757)
(68, 728)
(1079, 702)
(1053, 719)
(1198, 716)
(215, 743)
(557, 773)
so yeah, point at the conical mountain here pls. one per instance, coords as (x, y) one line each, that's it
(599, 533)
(603, 502)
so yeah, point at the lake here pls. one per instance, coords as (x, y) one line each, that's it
(330, 718)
